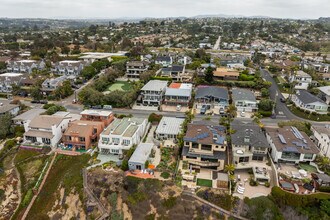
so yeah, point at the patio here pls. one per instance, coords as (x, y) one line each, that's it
(294, 171)
(249, 191)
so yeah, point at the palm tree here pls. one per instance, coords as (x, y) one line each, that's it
(231, 110)
(230, 168)
(323, 162)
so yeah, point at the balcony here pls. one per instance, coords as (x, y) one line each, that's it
(204, 163)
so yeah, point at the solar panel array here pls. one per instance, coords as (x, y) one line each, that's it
(282, 139)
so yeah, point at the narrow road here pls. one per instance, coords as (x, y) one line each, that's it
(217, 44)
(91, 195)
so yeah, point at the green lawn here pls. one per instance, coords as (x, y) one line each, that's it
(121, 86)
(307, 167)
(204, 182)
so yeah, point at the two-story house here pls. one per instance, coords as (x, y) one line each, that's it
(106, 117)
(121, 135)
(321, 137)
(244, 100)
(135, 68)
(212, 95)
(153, 92)
(7, 80)
(46, 130)
(302, 80)
(175, 72)
(324, 94)
(205, 146)
(68, 67)
(51, 84)
(248, 143)
(288, 144)
(165, 61)
(168, 128)
(25, 66)
(80, 135)
(178, 94)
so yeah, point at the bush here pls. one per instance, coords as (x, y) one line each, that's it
(165, 175)
(325, 189)
(267, 184)
(265, 113)
(124, 165)
(27, 198)
(170, 202)
(253, 182)
(154, 118)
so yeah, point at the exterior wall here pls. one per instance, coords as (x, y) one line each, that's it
(247, 106)
(315, 107)
(153, 97)
(134, 166)
(322, 142)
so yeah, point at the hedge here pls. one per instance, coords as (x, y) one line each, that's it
(284, 198)
(265, 113)
(325, 189)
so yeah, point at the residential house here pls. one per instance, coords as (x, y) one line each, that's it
(106, 117)
(9, 109)
(28, 115)
(80, 135)
(121, 135)
(91, 57)
(25, 66)
(165, 61)
(51, 84)
(321, 137)
(174, 72)
(325, 77)
(226, 74)
(140, 156)
(46, 130)
(213, 95)
(321, 180)
(302, 80)
(135, 68)
(288, 144)
(248, 143)
(244, 100)
(320, 67)
(68, 67)
(168, 128)
(305, 100)
(324, 94)
(178, 94)
(7, 80)
(205, 146)
(153, 92)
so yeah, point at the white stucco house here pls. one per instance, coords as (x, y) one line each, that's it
(302, 80)
(321, 137)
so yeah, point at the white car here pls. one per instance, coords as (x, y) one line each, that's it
(242, 114)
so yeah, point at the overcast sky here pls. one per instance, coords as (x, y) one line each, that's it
(162, 8)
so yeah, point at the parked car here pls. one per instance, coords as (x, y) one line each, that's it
(43, 102)
(107, 107)
(35, 101)
(242, 114)
(283, 100)
(97, 107)
(178, 107)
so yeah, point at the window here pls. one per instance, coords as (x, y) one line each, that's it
(115, 151)
(206, 147)
(258, 158)
(115, 141)
(194, 145)
(106, 140)
(308, 156)
(243, 159)
(46, 140)
(81, 139)
(126, 142)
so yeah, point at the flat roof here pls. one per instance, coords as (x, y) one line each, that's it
(125, 126)
(96, 112)
(155, 85)
(11, 74)
(169, 125)
(243, 94)
(141, 153)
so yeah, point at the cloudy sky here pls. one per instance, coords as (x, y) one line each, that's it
(162, 8)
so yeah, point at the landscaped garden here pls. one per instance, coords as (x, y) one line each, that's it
(120, 85)
(204, 182)
(309, 116)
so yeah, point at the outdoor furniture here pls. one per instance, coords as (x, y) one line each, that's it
(302, 172)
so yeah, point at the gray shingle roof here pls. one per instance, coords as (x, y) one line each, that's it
(211, 91)
(243, 94)
(307, 97)
(242, 129)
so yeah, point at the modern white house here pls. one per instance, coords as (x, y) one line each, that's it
(121, 135)
(140, 156)
(168, 128)
(290, 145)
(244, 100)
(321, 137)
(68, 67)
(305, 100)
(302, 80)
(46, 130)
(153, 92)
(135, 68)
(248, 143)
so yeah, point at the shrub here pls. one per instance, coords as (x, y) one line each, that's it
(154, 118)
(325, 189)
(27, 198)
(265, 113)
(170, 202)
(124, 165)
(267, 184)
(253, 182)
(165, 175)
